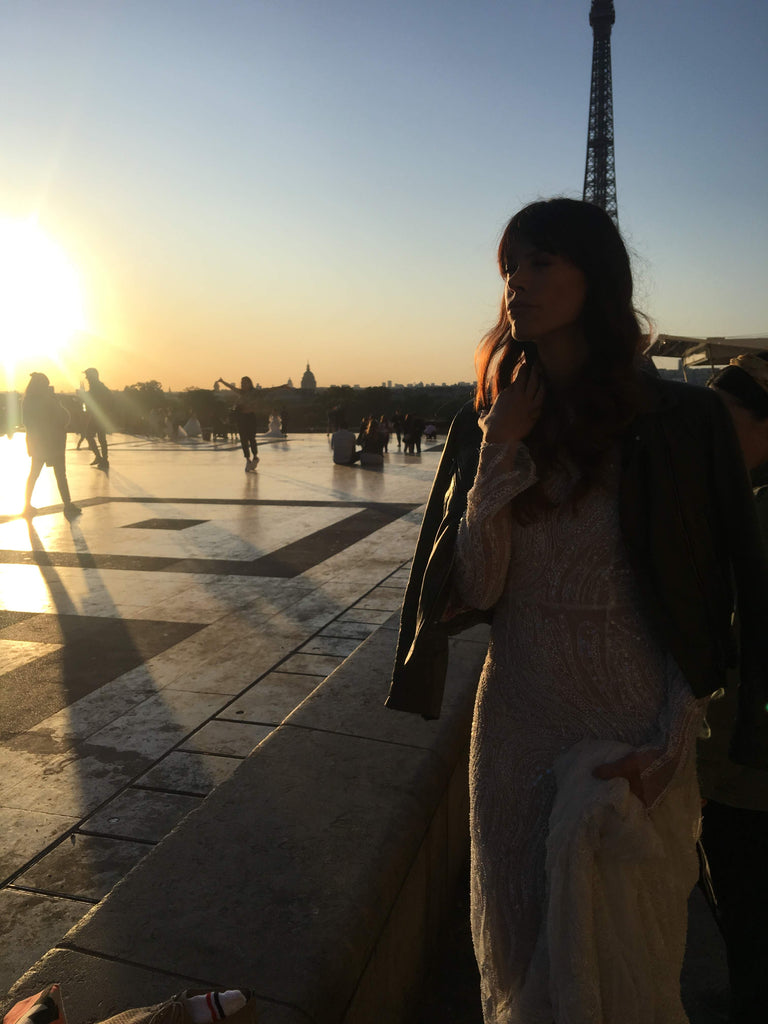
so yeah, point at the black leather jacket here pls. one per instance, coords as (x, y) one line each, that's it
(690, 528)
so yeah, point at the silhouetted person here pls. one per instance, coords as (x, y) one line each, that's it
(397, 425)
(46, 420)
(245, 419)
(343, 445)
(97, 401)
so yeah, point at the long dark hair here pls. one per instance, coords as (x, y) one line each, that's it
(587, 416)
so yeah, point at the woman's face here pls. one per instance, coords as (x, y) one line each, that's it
(544, 294)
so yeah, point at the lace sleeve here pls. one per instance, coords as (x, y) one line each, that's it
(483, 541)
(681, 720)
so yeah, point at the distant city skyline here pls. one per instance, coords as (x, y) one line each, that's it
(190, 191)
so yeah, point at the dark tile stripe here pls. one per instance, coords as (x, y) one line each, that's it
(286, 562)
(95, 650)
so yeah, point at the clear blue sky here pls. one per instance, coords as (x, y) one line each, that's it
(245, 186)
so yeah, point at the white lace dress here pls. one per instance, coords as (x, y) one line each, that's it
(570, 659)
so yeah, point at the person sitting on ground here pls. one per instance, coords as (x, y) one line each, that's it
(384, 432)
(373, 446)
(343, 445)
(46, 421)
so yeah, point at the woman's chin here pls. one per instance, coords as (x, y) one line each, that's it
(519, 333)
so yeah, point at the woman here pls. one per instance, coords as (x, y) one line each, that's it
(371, 442)
(245, 419)
(735, 833)
(45, 420)
(573, 510)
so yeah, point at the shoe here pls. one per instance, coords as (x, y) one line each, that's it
(248, 466)
(72, 511)
(102, 464)
(96, 461)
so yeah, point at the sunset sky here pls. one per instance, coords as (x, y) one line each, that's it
(223, 187)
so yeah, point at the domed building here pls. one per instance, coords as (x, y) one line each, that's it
(308, 382)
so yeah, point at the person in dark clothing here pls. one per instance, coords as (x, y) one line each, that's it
(735, 816)
(407, 428)
(417, 430)
(246, 419)
(46, 420)
(97, 402)
(602, 518)
(397, 426)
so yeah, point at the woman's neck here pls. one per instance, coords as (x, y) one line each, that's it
(562, 355)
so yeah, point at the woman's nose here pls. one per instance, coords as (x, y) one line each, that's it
(515, 281)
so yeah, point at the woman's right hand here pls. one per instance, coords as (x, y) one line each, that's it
(516, 408)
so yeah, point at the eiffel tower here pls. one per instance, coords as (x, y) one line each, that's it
(600, 172)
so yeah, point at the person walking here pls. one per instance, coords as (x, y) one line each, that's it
(46, 420)
(603, 519)
(97, 404)
(246, 419)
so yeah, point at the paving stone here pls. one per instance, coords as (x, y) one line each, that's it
(386, 601)
(14, 653)
(345, 628)
(236, 739)
(72, 785)
(335, 645)
(140, 814)
(83, 866)
(31, 924)
(371, 615)
(186, 772)
(271, 699)
(311, 664)
(25, 834)
(157, 725)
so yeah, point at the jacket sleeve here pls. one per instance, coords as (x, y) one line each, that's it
(749, 743)
(680, 721)
(483, 544)
(421, 658)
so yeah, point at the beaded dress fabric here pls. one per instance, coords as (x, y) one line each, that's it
(570, 659)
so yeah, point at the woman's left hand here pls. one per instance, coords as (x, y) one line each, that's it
(631, 767)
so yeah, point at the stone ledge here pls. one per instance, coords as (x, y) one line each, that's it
(306, 876)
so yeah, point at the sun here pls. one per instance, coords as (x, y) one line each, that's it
(41, 296)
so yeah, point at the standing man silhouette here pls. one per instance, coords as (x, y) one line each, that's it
(97, 400)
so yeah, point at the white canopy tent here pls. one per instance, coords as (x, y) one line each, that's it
(703, 351)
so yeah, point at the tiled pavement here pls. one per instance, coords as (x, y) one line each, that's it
(148, 647)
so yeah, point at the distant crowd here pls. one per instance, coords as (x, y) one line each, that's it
(371, 442)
